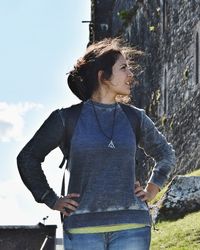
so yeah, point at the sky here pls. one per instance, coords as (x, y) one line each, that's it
(40, 40)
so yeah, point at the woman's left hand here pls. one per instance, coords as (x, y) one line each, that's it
(148, 193)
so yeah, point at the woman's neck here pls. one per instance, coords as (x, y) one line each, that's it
(103, 98)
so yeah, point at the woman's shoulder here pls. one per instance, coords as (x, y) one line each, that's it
(71, 108)
(70, 113)
(132, 109)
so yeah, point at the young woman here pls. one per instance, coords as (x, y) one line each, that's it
(105, 207)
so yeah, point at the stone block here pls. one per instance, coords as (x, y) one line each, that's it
(182, 197)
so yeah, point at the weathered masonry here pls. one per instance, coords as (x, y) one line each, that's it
(169, 90)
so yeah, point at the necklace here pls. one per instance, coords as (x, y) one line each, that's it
(111, 144)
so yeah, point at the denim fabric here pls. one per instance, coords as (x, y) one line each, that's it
(132, 239)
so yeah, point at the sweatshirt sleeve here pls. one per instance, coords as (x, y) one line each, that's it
(156, 146)
(29, 160)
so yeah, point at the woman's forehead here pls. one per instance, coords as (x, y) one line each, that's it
(121, 60)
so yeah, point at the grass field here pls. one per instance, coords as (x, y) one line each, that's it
(182, 234)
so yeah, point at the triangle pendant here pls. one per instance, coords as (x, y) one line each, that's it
(111, 144)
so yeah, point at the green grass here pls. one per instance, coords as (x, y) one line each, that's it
(159, 195)
(182, 234)
(194, 173)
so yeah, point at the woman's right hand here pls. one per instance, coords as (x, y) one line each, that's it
(66, 205)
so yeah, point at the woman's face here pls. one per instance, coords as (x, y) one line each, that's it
(121, 79)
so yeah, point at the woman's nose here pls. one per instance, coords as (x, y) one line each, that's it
(130, 73)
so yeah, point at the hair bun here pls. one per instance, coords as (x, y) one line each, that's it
(77, 86)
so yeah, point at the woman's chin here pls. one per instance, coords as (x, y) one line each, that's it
(126, 92)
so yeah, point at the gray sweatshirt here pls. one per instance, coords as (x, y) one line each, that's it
(103, 176)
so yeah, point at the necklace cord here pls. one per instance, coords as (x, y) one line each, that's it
(99, 124)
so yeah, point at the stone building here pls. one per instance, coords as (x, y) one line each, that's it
(169, 85)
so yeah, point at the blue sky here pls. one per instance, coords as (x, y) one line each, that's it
(40, 41)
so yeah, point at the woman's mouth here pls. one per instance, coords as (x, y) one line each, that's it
(129, 83)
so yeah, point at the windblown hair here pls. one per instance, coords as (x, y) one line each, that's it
(102, 55)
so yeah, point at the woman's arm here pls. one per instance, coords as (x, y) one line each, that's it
(33, 154)
(156, 146)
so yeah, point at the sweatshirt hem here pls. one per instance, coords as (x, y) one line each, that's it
(107, 218)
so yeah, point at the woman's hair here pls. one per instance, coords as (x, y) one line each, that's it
(102, 55)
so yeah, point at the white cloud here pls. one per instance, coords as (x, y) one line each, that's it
(12, 119)
(18, 207)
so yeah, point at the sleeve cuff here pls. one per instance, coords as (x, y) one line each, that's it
(49, 198)
(157, 179)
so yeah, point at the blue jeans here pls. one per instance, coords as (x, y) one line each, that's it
(131, 239)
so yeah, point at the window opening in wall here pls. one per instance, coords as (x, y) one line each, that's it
(164, 10)
(197, 58)
(165, 93)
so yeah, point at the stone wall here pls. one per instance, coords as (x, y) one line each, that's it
(169, 90)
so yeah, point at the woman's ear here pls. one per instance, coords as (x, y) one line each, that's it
(101, 77)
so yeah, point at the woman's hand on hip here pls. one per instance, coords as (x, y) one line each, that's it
(148, 193)
(66, 204)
